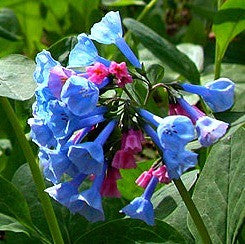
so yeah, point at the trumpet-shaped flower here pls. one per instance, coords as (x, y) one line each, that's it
(89, 156)
(80, 95)
(218, 94)
(131, 141)
(177, 162)
(171, 129)
(41, 134)
(63, 192)
(88, 203)
(109, 31)
(144, 178)
(141, 207)
(209, 130)
(45, 62)
(85, 53)
(162, 174)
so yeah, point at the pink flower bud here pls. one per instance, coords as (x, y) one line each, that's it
(162, 174)
(119, 70)
(131, 141)
(144, 178)
(97, 72)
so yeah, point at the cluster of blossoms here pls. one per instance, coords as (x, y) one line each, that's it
(77, 129)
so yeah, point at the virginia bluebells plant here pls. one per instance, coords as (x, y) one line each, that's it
(84, 134)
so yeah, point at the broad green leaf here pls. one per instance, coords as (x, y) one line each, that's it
(119, 3)
(13, 202)
(8, 223)
(16, 77)
(131, 231)
(219, 193)
(167, 198)
(9, 25)
(164, 50)
(194, 52)
(23, 181)
(178, 220)
(229, 21)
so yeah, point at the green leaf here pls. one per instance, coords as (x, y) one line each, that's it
(13, 202)
(16, 77)
(11, 224)
(131, 231)
(178, 220)
(229, 21)
(120, 3)
(167, 198)
(194, 52)
(128, 179)
(9, 25)
(164, 50)
(155, 73)
(219, 193)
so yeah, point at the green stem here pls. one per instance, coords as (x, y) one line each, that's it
(193, 212)
(37, 176)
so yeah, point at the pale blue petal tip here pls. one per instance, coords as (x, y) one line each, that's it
(84, 53)
(108, 30)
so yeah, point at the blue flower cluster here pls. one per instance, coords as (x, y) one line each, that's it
(72, 125)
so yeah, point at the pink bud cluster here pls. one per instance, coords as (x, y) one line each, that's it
(161, 173)
(98, 72)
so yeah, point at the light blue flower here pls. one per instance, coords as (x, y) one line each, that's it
(63, 192)
(177, 162)
(177, 159)
(141, 207)
(44, 62)
(85, 53)
(218, 94)
(80, 95)
(109, 31)
(89, 156)
(88, 203)
(41, 134)
(174, 132)
(210, 130)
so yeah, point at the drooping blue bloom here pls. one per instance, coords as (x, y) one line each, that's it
(177, 162)
(63, 192)
(85, 53)
(44, 162)
(210, 130)
(89, 156)
(41, 134)
(80, 95)
(141, 207)
(177, 159)
(218, 94)
(43, 96)
(88, 203)
(174, 132)
(109, 31)
(44, 62)
(63, 123)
